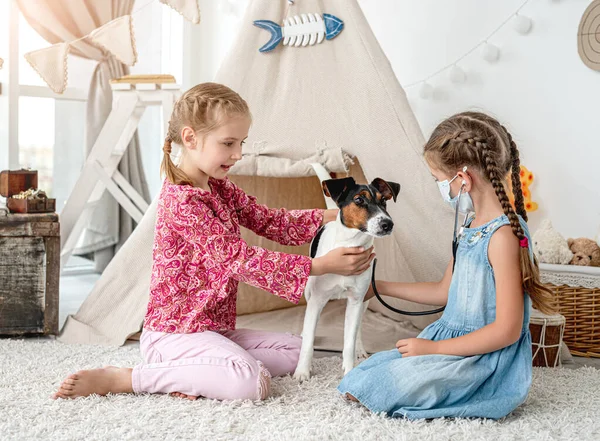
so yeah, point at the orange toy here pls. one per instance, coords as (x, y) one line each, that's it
(526, 180)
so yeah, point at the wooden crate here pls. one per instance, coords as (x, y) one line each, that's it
(13, 182)
(35, 205)
(29, 273)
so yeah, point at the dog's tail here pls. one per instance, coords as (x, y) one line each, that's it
(323, 175)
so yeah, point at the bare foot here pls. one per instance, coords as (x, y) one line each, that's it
(351, 398)
(96, 381)
(180, 395)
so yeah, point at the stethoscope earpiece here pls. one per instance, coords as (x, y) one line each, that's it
(464, 171)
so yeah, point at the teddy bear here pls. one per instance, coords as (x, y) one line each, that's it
(586, 252)
(549, 246)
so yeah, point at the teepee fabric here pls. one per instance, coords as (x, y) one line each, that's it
(115, 308)
(344, 91)
(342, 94)
(264, 159)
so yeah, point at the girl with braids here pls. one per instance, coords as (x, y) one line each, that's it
(189, 343)
(475, 361)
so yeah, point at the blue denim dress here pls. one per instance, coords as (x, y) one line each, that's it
(432, 386)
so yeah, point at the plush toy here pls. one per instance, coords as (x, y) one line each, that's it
(526, 178)
(586, 252)
(549, 246)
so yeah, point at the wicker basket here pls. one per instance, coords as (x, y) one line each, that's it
(577, 295)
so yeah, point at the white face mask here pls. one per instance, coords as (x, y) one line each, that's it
(462, 199)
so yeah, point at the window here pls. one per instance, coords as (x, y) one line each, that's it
(45, 131)
(36, 147)
(43, 144)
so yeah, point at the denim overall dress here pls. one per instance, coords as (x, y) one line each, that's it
(431, 386)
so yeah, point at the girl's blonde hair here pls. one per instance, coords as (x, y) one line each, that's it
(480, 142)
(204, 108)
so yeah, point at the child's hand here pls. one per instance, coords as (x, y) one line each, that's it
(344, 261)
(409, 347)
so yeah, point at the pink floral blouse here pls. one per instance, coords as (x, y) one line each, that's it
(199, 256)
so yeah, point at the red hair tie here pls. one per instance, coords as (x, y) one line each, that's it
(524, 243)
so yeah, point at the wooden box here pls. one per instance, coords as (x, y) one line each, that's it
(37, 205)
(13, 182)
(29, 273)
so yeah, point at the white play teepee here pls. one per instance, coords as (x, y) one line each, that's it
(329, 102)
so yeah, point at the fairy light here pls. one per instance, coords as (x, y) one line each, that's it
(488, 51)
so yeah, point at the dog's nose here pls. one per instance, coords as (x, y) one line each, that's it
(387, 225)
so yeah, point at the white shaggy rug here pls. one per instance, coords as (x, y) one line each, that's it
(563, 404)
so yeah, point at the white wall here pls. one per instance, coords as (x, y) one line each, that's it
(539, 88)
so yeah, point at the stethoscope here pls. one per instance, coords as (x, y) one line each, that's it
(455, 240)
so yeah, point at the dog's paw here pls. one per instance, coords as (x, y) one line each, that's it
(302, 374)
(362, 354)
(347, 367)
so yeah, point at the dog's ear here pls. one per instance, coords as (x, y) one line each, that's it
(335, 188)
(388, 189)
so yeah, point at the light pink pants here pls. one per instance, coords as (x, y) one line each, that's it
(224, 365)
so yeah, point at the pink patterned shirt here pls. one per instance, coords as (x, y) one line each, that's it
(199, 256)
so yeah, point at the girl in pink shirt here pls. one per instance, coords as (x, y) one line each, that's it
(189, 343)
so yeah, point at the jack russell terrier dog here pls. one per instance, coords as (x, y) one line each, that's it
(362, 217)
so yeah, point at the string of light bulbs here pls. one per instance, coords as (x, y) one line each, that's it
(489, 52)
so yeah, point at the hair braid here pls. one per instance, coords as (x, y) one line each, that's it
(173, 173)
(491, 169)
(541, 296)
(516, 176)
